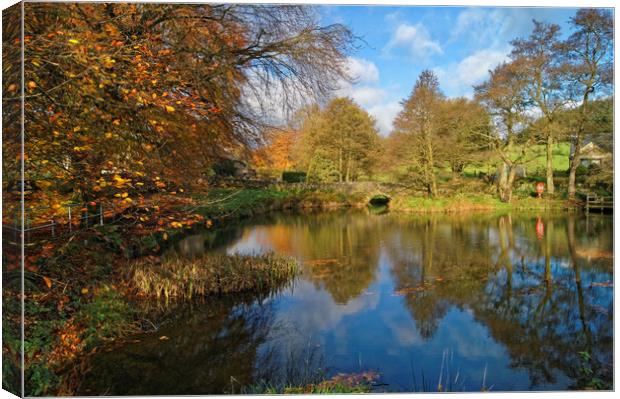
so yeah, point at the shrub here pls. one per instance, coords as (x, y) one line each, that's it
(581, 170)
(293, 177)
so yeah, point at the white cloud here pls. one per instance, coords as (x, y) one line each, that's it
(363, 95)
(458, 79)
(384, 114)
(362, 70)
(493, 27)
(366, 92)
(416, 39)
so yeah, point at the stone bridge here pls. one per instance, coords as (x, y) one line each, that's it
(368, 192)
(375, 193)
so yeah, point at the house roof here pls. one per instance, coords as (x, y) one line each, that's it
(590, 148)
(594, 151)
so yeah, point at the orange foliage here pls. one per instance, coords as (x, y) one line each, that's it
(277, 153)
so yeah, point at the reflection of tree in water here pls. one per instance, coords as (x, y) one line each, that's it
(200, 353)
(429, 252)
(534, 299)
(198, 244)
(339, 250)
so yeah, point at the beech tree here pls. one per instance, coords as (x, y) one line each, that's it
(589, 53)
(503, 94)
(340, 141)
(420, 120)
(541, 65)
(125, 99)
(463, 139)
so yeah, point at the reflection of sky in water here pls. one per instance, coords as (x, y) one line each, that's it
(495, 311)
(376, 331)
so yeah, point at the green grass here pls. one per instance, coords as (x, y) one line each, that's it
(537, 165)
(340, 383)
(471, 202)
(233, 203)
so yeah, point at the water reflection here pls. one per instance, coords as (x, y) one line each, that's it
(517, 295)
(181, 357)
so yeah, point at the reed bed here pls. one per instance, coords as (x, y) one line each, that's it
(209, 275)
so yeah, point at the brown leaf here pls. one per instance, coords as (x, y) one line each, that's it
(47, 281)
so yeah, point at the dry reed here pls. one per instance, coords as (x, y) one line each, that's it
(213, 274)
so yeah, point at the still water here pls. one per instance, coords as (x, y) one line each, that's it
(471, 302)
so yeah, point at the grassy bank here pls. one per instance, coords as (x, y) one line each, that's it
(234, 203)
(473, 202)
(340, 383)
(210, 275)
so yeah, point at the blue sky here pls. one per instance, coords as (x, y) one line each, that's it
(459, 43)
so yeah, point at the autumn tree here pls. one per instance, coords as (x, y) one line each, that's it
(420, 121)
(124, 99)
(504, 96)
(276, 155)
(542, 69)
(463, 137)
(589, 53)
(340, 141)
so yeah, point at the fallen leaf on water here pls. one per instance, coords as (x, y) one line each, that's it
(602, 284)
(47, 281)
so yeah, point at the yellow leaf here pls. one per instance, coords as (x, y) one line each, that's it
(164, 338)
(31, 85)
(47, 281)
(169, 108)
(165, 236)
(125, 195)
(84, 291)
(74, 41)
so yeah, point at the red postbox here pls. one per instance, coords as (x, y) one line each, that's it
(540, 188)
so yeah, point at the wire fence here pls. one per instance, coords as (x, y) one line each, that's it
(77, 218)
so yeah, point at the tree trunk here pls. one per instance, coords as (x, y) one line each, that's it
(340, 165)
(506, 180)
(511, 178)
(502, 179)
(549, 144)
(572, 171)
(430, 166)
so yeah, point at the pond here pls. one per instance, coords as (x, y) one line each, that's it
(462, 302)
